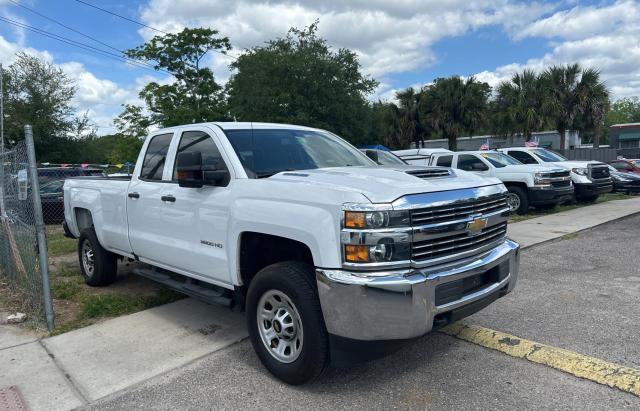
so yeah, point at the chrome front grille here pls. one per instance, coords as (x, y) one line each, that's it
(458, 211)
(599, 172)
(430, 173)
(454, 244)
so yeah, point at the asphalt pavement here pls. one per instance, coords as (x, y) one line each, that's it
(579, 293)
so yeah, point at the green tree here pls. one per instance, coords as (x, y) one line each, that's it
(452, 105)
(519, 104)
(561, 99)
(626, 110)
(194, 96)
(593, 101)
(299, 79)
(39, 93)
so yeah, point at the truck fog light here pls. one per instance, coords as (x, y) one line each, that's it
(356, 253)
(381, 252)
(378, 219)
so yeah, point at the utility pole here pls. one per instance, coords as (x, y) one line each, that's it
(2, 159)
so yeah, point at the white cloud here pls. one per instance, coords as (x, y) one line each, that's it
(604, 38)
(389, 37)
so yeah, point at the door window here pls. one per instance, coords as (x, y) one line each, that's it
(444, 161)
(199, 141)
(468, 162)
(522, 157)
(155, 157)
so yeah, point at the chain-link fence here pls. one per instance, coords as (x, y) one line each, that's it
(23, 250)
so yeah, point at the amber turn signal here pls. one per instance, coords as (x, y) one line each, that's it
(356, 253)
(354, 219)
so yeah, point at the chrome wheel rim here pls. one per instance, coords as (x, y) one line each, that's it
(87, 258)
(513, 201)
(280, 326)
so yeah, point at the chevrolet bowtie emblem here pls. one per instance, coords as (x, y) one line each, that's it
(476, 226)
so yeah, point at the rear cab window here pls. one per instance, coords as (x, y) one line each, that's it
(155, 157)
(444, 161)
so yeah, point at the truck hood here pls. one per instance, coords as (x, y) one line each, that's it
(529, 169)
(575, 164)
(384, 184)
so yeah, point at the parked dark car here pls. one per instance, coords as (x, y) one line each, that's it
(625, 182)
(384, 158)
(52, 198)
(625, 166)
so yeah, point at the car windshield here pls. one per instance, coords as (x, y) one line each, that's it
(547, 156)
(500, 160)
(264, 153)
(53, 187)
(386, 158)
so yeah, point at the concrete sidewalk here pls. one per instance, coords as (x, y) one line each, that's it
(81, 366)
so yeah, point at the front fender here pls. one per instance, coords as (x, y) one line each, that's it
(315, 226)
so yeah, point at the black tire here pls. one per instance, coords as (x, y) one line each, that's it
(105, 263)
(587, 199)
(296, 280)
(522, 196)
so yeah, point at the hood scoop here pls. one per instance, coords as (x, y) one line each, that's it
(427, 173)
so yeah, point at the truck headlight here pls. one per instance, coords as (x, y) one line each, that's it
(377, 253)
(376, 219)
(580, 171)
(541, 179)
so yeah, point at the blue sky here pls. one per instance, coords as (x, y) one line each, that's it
(401, 43)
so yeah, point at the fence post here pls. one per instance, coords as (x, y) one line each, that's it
(40, 233)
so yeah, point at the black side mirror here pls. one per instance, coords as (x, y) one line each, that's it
(189, 169)
(373, 155)
(479, 167)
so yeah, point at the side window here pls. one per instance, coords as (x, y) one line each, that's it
(523, 157)
(199, 141)
(468, 162)
(155, 157)
(444, 161)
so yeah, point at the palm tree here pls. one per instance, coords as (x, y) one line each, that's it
(561, 101)
(519, 104)
(410, 122)
(593, 100)
(453, 105)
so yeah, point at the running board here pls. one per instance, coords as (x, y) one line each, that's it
(208, 295)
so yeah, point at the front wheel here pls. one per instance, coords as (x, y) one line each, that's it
(517, 200)
(285, 322)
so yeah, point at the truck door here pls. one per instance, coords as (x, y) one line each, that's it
(197, 218)
(147, 233)
(470, 162)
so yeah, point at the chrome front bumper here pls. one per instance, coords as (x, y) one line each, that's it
(403, 304)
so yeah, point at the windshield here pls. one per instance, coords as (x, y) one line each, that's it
(264, 153)
(386, 158)
(500, 160)
(547, 156)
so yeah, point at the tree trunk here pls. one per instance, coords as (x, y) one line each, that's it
(453, 142)
(596, 136)
(562, 138)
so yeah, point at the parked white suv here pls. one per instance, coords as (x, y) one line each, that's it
(535, 185)
(319, 244)
(590, 178)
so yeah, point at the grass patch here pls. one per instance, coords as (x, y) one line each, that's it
(539, 213)
(58, 244)
(111, 305)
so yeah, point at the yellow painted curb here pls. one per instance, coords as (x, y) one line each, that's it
(614, 375)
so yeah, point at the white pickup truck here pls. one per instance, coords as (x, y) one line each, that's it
(322, 247)
(590, 178)
(536, 185)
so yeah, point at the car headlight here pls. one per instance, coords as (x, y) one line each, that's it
(380, 236)
(541, 179)
(580, 171)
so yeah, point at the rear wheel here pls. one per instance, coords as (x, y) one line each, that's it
(98, 266)
(517, 200)
(285, 322)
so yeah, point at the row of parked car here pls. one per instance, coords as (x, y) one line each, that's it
(535, 177)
